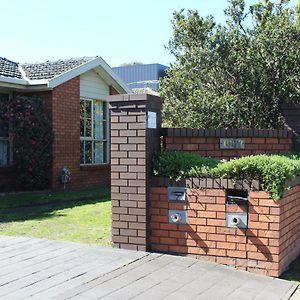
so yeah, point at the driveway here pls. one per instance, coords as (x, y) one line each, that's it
(42, 269)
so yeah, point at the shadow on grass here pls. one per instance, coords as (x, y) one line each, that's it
(293, 273)
(43, 211)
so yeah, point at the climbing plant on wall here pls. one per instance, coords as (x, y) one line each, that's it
(30, 131)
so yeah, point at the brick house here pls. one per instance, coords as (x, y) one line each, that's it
(74, 92)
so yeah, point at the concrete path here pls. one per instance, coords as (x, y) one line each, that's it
(296, 295)
(42, 269)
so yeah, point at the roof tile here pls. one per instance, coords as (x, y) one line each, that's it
(50, 69)
(45, 70)
(9, 68)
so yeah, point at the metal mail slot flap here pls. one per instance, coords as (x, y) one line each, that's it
(177, 194)
(236, 199)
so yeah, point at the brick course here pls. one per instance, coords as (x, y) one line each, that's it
(209, 146)
(267, 246)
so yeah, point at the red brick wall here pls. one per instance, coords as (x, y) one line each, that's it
(66, 143)
(63, 106)
(268, 245)
(289, 227)
(209, 146)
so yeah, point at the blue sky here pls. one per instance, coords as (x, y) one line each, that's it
(117, 30)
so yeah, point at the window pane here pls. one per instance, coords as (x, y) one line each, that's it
(88, 109)
(82, 117)
(99, 153)
(3, 153)
(88, 152)
(3, 129)
(98, 120)
(88, 127)
(81, 152)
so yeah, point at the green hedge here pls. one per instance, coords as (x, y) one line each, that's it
(271, 170)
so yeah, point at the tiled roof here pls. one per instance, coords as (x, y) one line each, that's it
(9, 68)
(46, 70)
(50, 69)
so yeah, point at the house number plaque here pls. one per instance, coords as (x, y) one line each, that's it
(232, 143)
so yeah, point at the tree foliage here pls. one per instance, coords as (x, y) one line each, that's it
(233, 75)
(134, 63)
(298, 14)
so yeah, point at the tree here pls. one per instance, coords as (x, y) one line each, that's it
(134, 63)
(232, 75)
(298, 14)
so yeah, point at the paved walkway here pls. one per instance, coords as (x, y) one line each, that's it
(42, 269)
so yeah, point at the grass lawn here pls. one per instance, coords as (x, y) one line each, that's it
(83, 216)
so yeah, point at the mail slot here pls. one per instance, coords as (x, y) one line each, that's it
(178, 216)
(177, 194)
(236, 220)
(237, 209)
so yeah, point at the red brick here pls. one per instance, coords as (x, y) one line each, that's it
(226, 245)
(236, 253)
(159, 233)
(216, 237)
(168, 241)
(215, 207)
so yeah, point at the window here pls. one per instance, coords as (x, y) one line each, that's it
(93, 132)
(5, 146)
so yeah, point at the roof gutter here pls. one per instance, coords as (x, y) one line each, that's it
(22, 84)
(13, 80)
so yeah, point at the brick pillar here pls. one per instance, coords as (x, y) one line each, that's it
(133, 144)
(291, 114)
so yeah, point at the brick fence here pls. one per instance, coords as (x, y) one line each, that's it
(206, 142)
(141, 209)
(269, 244)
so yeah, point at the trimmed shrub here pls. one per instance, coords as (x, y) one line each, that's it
(177, 165)
(271, 170)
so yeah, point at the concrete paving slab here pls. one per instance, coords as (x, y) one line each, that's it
(38, 269)
(296, 295)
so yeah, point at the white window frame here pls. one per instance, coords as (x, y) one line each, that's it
(105, 140)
